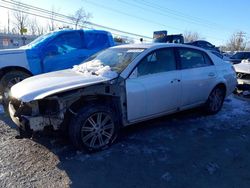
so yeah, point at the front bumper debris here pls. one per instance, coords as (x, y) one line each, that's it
(28, 117)
(21, 122)
(243, 84)
(243, 80)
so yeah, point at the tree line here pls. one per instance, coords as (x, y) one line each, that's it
(20, 22)
(237, 41)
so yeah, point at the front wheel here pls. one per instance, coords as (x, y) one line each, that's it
(8, 80)
(215, 100)
(95, 127)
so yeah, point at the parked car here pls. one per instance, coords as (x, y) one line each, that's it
(50, 52)
(204, 44)
(218, 54)
(243, 74)
(239, 56)
(120, 86)
(163, 37)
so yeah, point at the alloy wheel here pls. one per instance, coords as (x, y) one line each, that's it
(97, 131)
(216, 99)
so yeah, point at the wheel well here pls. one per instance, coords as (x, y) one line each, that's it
(222, 86)
(4, 70)
(111, 101)
(103, 99)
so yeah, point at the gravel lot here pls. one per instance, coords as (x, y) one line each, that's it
(187, 149)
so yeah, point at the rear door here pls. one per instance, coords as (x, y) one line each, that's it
(198, 75)
(156, 88)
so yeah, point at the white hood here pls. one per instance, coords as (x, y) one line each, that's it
(38, 87)
(243, 67)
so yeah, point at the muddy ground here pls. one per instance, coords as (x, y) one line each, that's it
(187, 149)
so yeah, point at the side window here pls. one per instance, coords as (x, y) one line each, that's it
(96, 40)
(64, 44)
(193, 59)
(162, 60)
(247, 56)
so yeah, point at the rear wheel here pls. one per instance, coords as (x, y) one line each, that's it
(94, 128)
(215, 100)
(8, 80)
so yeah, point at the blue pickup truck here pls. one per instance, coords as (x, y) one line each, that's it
(50, 52)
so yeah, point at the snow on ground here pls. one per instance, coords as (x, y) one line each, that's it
(187, 149)
(233, 107)
(234, 111)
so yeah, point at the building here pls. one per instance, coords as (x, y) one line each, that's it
(14, 40)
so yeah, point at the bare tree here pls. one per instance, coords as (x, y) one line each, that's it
(40, 30)
(80, 17)
(237, 42)
(51, 24)
(33, 26)
(190, 36)
(21, 20)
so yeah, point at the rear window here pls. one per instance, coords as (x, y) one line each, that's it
(191, 58)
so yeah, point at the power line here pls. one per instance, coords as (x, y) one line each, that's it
(169, 13)
(63, 18)
(130, 15)
(140, 18)
(174, 12)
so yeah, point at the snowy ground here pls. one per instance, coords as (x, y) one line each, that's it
(182, 150)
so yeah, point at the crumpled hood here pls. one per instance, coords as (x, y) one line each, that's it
(243, 67)
(38, 87)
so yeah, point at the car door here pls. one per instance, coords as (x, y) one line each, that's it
(198, 76)
(64, 51)
(156, 87)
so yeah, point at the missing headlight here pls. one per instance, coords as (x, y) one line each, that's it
(48, 107)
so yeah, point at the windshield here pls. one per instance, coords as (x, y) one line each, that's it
(115, 58)
(38, 40)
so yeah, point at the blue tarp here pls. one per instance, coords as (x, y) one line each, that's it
(64, 48)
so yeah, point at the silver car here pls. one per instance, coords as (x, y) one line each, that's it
(120, 86)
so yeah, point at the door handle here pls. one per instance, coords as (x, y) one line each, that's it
(175, 80)
(211, 74)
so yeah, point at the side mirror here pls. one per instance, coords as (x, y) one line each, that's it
(134, 74)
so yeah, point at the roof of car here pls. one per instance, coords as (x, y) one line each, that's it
(150, 45)
(59, 31)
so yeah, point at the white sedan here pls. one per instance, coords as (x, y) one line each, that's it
(120, 86)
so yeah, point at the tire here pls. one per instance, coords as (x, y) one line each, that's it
(215, 100)
(8, 80)
(94, 128)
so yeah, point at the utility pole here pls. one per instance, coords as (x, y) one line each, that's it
(8, 22)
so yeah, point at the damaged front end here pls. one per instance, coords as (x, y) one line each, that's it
(37, 115)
